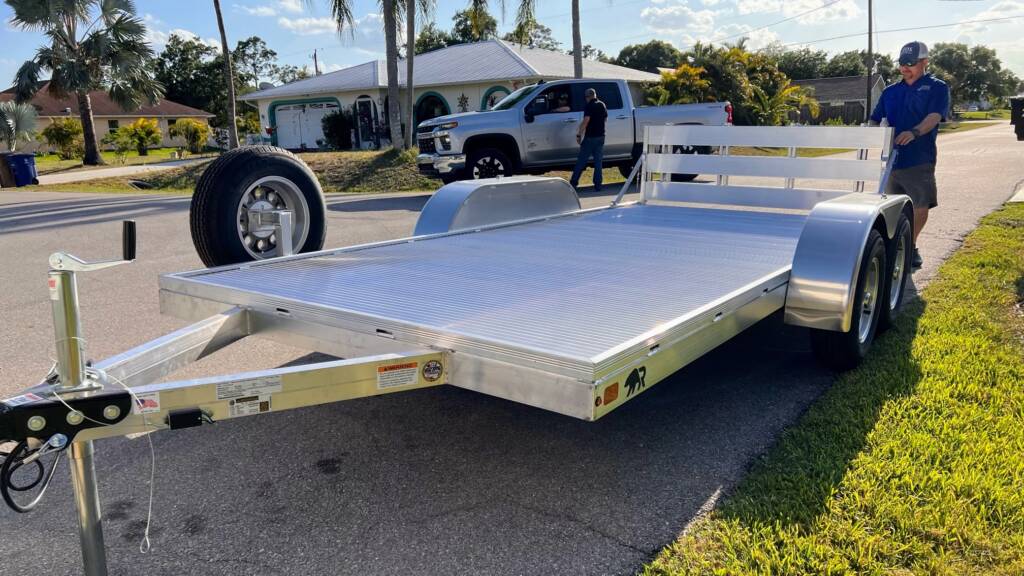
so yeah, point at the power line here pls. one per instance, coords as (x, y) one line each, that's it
(912, 28)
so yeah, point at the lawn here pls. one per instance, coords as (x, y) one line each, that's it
(963, 126)
(911, 464)
(800, 152)
(986, 115)
(51, 163)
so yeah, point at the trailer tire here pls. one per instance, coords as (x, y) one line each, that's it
(899, 257)
(254, 178)
(844, 350)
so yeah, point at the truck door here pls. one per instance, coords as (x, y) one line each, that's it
(618, 130)
(551, 136)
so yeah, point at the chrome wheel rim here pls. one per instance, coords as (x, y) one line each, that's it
(488, 167)
(870, 301)
(269, 194)
(898, 267)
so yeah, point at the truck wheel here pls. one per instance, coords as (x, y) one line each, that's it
(246, 181)
(844, 350)
(488, 163)
(900, 252)
(684, 150)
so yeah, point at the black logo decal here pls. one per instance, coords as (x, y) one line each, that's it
(636, 380)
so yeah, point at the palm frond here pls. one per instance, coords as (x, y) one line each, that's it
(26, 81)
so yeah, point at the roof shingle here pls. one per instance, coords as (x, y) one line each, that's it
(48, 105)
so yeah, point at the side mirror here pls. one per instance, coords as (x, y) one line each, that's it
(528, 116)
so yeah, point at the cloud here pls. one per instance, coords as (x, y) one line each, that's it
(999, 10)
(308, 26)
(677, 20)
(256, 10)
(842, 10)
(293, 6)
(160, 38)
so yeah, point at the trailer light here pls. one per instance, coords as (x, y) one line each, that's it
(728, 113)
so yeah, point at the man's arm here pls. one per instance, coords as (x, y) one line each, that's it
(583, 128)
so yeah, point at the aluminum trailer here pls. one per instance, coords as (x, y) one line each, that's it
(507, 288)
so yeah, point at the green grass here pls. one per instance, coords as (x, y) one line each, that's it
(181, 180)
(800, 152)
(51, 163)
(368, 171)
(1003, 114)
(911, 464)
(963, 126)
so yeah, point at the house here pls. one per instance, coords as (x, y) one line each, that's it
(841, 97)
(107, 114)
(461, 78)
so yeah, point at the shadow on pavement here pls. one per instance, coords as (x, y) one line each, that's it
(62, 213)
(406, 203)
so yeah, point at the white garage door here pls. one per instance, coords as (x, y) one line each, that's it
(299, 125)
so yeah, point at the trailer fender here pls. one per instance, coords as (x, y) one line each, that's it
(824, 274)
(470, 204)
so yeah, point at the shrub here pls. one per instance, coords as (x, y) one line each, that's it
(337, 127)
(193, 132)
(121, 142)
(17, 123)
(65, 136)
(142, 133)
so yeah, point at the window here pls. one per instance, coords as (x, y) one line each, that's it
(514, 98)
(171, 121)
(556, 100)
(607, 92)
(112, 126)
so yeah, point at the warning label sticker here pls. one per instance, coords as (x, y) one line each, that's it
(23, 399)
(251, 387)
(395, 375)
(146, 403)
(249, 405)
(53, 283)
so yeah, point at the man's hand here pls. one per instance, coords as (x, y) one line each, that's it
(904, 137)
(579, 138)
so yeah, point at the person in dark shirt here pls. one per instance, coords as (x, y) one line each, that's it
(914, 106)
(590, 137)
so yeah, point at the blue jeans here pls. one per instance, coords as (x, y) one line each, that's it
(593, 146)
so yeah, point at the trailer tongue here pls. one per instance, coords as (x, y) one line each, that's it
(508, 288)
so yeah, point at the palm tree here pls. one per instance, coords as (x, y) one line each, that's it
(425, 7)
(228, 78)
(577, 41)
(17, 123)
(772, 109)
(110, 54)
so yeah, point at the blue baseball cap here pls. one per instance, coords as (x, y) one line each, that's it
(912, 52)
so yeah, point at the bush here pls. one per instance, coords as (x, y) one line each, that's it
(142, 133)
(121, 143)
(337, 127)
(837, 121)
(65, 136)
(193, 132)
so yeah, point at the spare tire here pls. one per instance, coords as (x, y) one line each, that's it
(248, 180)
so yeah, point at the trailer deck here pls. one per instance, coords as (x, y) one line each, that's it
(569, 294)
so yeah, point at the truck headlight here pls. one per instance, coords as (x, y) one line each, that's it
(446, 126)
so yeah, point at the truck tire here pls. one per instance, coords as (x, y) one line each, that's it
(899, 256)
(488, 163)
(252, 179)
(844, 350)
(685, 150)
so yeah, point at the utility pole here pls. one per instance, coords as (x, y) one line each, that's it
(316, 64)
(870, 63)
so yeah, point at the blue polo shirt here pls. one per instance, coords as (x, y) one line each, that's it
(905, 106)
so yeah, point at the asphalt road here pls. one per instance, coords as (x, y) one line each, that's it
(437, 481)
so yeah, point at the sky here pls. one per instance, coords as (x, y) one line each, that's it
(294, 28)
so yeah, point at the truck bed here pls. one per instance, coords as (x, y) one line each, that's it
(569, 295)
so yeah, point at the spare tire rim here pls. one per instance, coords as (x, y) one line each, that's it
(898, 267)
(488, 167)
(870, 301)
(265, 196)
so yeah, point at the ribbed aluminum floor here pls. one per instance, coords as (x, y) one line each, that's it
(572, 287)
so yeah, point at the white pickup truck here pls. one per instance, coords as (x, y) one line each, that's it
(526, 133)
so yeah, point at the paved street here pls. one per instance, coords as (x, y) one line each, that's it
(437, 481)
(111, 172)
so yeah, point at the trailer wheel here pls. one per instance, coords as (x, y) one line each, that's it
(845, 350)
(900, 253)
(247, 181)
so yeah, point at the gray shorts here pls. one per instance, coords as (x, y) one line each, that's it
(918, 182)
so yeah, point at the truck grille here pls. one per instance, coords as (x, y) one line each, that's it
(427, 146)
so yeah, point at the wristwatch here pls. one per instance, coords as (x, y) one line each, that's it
(915, 132)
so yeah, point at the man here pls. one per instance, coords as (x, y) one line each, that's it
(914, 107)
(590, 137)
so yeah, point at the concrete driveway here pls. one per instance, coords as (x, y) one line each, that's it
(111, 172)
(438, 481)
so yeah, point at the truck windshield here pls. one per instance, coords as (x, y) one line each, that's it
(514, 98)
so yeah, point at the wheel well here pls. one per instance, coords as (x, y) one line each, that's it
(503, 142)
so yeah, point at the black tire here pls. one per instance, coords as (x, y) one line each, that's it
(450, 177)
(844, 350)
(899, 255)
(216, 214)
(627, 169)
(488, 163)
(684, 150)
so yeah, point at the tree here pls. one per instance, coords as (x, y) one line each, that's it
(17, 123)
(425, 7)
(473, 25)
(649, 56)
(684, 85)
(193, 132)
(432, 38)
(773, 108)
(254, 58)
(591, 53)
(973, 73)
(577, 42)
(229, 79)
(850, 63)
(86, 51)
(193, 74)
(885, 67)
(803, 63)
(65, 136)
(289, 73)
(533, 35)
(143, 133)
